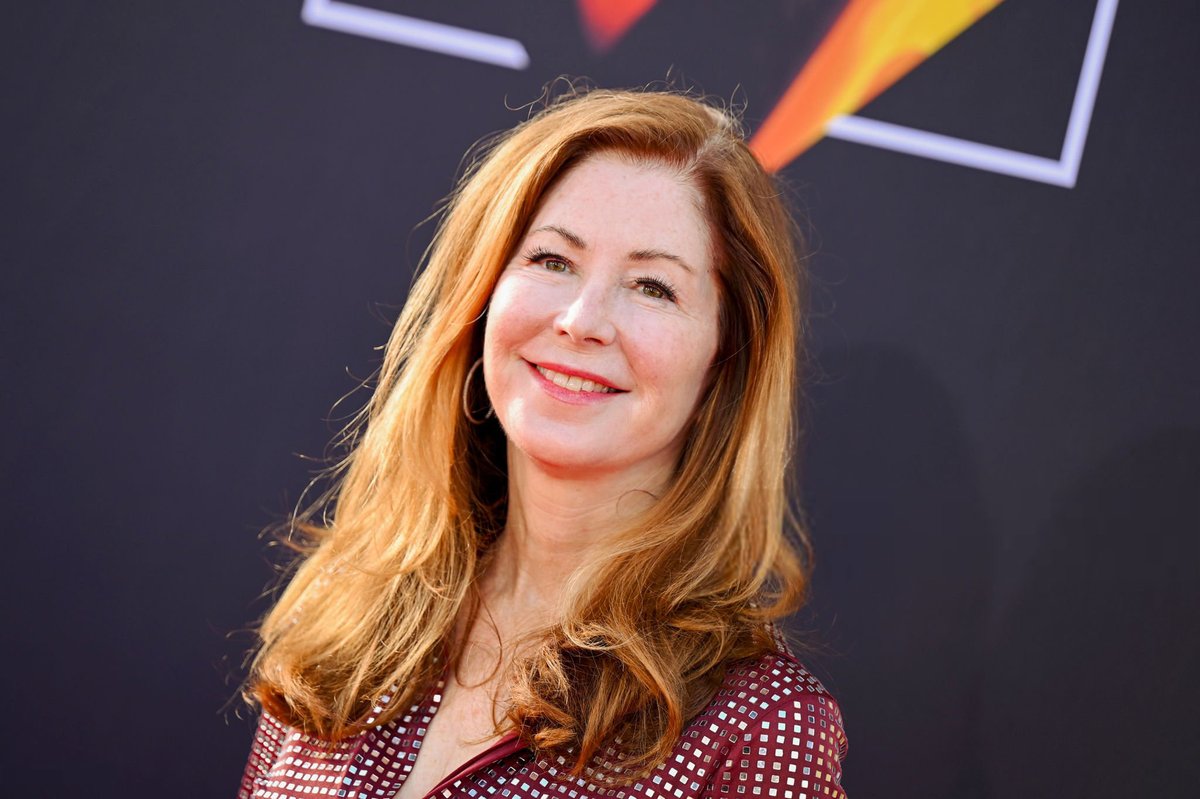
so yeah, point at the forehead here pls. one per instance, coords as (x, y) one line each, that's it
(614, 200)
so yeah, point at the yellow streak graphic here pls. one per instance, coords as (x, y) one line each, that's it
(872, 44)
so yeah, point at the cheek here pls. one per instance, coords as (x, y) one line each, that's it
(675, 362)
(515, 317)
(510, 316)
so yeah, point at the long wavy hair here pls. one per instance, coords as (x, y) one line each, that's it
(392, 550)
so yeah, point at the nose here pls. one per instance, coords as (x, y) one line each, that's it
(587, 319)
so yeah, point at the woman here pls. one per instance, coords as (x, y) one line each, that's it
(554, 554)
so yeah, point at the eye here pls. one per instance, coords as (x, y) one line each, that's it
(656, 288)
(548, 260)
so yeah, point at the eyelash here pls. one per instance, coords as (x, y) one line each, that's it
(539, 256)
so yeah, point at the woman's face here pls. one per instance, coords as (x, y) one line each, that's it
(603, 327)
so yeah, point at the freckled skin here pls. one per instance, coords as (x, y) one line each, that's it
(603, 309)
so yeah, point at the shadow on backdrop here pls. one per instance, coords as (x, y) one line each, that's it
(1092, 685)
(905, 555)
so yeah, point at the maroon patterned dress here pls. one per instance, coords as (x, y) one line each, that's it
(771, 731)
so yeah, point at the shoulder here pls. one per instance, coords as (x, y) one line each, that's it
(781, 731)
(755, 687)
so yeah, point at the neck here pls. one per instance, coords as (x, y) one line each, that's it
(556, 521)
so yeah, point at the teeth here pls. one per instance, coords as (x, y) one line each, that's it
(574, 382)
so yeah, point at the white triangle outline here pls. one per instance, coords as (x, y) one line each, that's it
(506, 52)
(421, 34)
(1061, 172)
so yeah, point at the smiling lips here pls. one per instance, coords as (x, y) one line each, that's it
(575, 382)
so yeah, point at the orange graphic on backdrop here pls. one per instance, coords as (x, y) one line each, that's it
(607, 20)
(872, 44)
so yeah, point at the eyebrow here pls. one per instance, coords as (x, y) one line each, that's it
(637, 255)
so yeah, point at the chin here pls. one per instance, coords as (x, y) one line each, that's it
(567, 455)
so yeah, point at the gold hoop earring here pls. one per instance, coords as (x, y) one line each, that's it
(466, 396)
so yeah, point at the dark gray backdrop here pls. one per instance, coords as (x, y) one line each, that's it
(209, 221)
